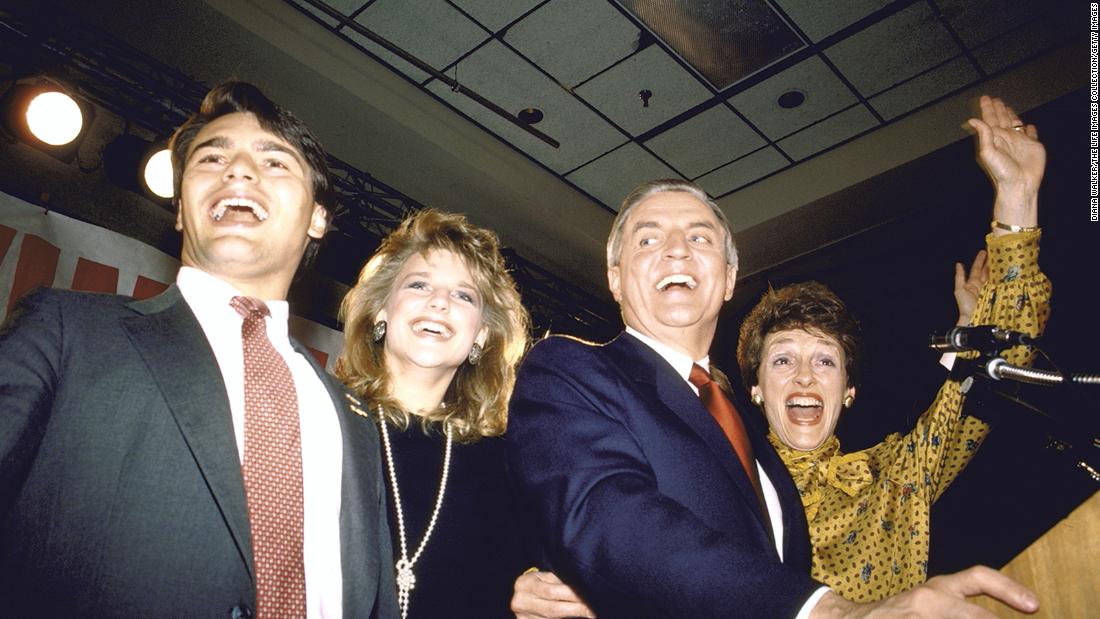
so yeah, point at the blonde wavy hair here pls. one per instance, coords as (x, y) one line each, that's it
(476, 403)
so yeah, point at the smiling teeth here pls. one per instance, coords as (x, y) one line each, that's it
(677, 279)
(804, 402)
(223, 205)
(433, 327)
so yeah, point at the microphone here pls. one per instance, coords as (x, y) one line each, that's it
(984, 338)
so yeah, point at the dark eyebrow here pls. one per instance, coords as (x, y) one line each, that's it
(218, 141)
(644, 224)
(271, 146)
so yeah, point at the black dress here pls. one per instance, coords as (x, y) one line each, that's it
(478, 548)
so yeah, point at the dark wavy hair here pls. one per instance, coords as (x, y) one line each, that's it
(477, 399)
(232, 97)
(809, 306)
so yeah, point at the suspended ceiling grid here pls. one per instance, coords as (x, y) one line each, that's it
(570, 58)
(857, 66)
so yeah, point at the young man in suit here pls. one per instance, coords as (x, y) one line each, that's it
(652, 495)
(181, 455)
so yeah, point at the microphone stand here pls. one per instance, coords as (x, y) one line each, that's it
(983, 376)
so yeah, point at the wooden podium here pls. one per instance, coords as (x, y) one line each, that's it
(1062, 567)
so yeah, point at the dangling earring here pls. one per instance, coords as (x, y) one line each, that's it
(475, 354)
(379, 330)
(849, 401)
(757, 399)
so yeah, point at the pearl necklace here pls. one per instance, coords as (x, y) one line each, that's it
(405, 578)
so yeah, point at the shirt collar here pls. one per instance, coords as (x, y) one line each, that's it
(209, 296)
(679, 361)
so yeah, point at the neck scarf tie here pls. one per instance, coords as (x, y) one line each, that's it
(824, 467)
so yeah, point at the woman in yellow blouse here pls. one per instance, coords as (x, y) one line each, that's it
(868, 511)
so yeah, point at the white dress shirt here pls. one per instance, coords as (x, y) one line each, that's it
(322, 445)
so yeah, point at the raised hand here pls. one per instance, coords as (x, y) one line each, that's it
(1014, 159)
(967, 286)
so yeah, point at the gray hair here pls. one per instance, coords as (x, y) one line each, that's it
(649, 188)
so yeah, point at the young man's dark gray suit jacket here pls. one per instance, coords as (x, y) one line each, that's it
(120, 485)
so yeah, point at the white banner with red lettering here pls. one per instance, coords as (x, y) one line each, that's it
(43, 248)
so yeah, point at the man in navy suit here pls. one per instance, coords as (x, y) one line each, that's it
(122, 422)
(642, 502)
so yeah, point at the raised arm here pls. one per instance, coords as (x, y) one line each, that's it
(1017, 294)
(1005, 288)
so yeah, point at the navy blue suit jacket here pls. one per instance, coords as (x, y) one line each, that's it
(639, 499)
(121, 492)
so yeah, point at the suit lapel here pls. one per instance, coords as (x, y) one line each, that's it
(675, 394)
(174, 347)
(359, 492)
(794, 516)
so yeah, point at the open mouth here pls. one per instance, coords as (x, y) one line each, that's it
(677, 281)
(236, 208)
(430, 327)
(805, 410)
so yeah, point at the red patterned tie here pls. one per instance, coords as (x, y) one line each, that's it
(272, 469)
(724, 412)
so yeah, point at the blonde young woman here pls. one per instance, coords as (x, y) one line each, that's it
(434, 328)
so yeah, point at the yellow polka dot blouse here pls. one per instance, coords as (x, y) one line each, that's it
(868, 511)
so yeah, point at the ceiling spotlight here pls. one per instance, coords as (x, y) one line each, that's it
(791, 99)
(531, 115)
(44, 116)
(54, 117)
(158, 173)
(140, 166)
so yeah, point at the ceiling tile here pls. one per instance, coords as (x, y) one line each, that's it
(828, 132)
(819, 19)
(1047, 32)
(502, 76)
(495, 14)
(825, 95)
(611, 177)
(615, 91)
(894, 49)
(705, 141)
(574, 39)
(978, 21)
(433, 31)
(743, 171)
(924, 88)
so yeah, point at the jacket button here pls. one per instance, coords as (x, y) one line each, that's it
(241, 612)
